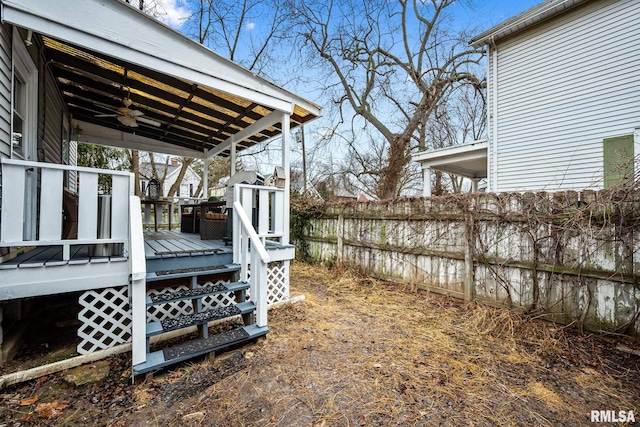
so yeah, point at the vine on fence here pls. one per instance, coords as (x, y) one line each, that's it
(303, 209)
(549, 254)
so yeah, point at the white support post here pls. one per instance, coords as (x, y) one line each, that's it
(233, 156)
(205, 176)
(474, 185)
(286, 134)
(235, 238)
(138, 287)
(426, 179)
(259, 270)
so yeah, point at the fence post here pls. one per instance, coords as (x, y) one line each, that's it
(340, 235)
(468, 256)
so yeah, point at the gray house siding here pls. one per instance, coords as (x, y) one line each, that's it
(563, 87)
(53, 114)
(5, 91)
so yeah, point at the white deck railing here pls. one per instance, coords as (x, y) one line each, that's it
(258, 258)
(159, 215)
(258, 215)
(32, 206)
(265, 208)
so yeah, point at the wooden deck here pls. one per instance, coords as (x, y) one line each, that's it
(174, 244)
(51, 256)
(170, 244)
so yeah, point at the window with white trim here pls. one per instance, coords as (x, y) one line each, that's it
(18, 115)
(24, 101)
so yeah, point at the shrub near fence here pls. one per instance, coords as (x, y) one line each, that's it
(567, 256)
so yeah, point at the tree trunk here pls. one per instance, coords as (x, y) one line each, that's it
(392, 172)
(186, 162)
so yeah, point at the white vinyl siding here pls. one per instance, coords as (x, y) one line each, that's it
(563, 87)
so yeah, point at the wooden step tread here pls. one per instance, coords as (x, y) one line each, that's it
(188, 350)
(188, 271)
(184, 321)
(184, 294)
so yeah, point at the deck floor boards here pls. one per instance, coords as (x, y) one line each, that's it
(157, 245)
(175, 243)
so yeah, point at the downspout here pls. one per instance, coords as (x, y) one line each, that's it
(494, 112)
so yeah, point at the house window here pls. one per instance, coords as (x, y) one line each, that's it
(24, 101)
(191, 190)
(618, 161)
(144, 187)
(178, 191)
(18, 115)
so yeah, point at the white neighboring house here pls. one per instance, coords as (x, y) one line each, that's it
(563, 94)
(189, 183)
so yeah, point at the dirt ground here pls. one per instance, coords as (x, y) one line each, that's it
(361, 352)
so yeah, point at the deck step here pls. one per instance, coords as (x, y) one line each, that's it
(184, 321)
(185, 294)
(190, 349)
(190, 271)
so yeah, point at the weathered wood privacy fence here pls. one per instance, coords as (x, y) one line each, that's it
(570, 257)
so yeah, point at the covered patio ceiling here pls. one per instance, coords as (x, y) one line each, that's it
(110, 60)
(467, 160)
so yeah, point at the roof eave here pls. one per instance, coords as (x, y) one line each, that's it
(526, 19)
(147, 42)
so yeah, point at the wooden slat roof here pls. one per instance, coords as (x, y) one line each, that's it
(100, 52)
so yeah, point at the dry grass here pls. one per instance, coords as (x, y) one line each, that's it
(364, 352)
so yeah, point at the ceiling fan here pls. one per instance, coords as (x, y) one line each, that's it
(129, 117)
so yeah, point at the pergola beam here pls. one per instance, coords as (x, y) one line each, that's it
(95, 134)
(267, 121)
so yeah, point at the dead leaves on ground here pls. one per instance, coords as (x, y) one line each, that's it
(45, 410)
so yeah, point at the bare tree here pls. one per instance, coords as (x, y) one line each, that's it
(459, 118)
(244, 31)
(390, 63)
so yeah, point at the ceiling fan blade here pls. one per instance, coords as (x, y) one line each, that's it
(106, 115)
(149, 121)
(128, 121)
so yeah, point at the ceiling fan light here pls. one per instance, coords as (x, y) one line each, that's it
(128, 121)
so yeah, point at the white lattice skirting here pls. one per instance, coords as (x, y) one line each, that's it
(105, 314)
(106, 319)
(278, 282)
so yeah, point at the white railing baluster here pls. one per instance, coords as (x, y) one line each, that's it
(51, 204)
(246, 198)
(88, 206)
(119, 207)
(13, 191)
(263, 213)
(278, 216)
